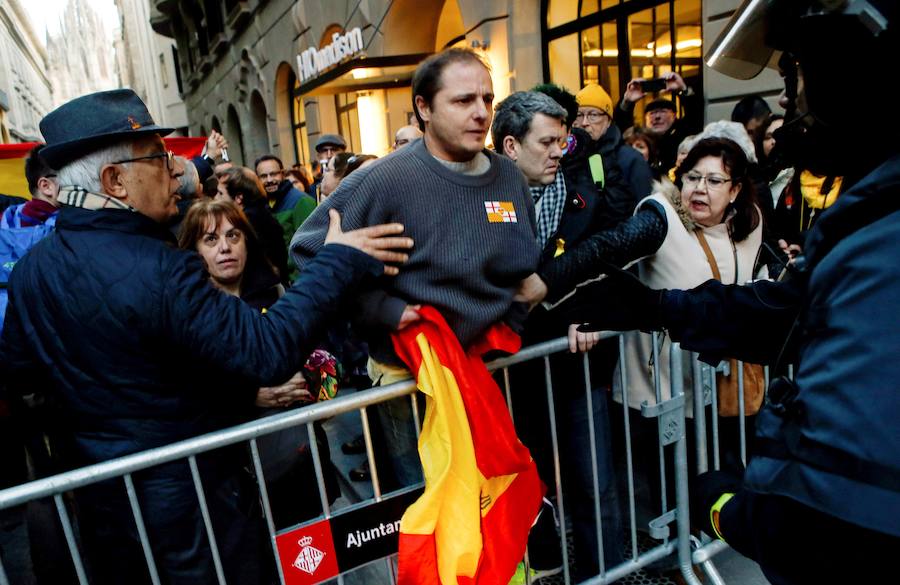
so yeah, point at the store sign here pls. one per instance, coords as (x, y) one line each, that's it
(312, 62)
(323, 549)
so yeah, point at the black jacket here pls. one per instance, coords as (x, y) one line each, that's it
(140, 348)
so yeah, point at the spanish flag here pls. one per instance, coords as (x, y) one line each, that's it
(482, 491)
(12, 161)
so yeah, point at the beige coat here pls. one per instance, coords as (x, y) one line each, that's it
(680, 263)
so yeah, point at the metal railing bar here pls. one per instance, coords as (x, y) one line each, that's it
(141, 528)
(241, 433)
(630, 567)
(699, 415)
(317, 465)
(713, 382)
(70, 538)
(594, 468)
(130, 463)
(370, 452)
(207, 521)
(682, 516)
(3, 578)
(629, 463)
(557, 473)
(266, 507)
(508, 392)
(742, 422)
(415, 414)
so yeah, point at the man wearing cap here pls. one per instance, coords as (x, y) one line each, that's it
(660, 116)
(595, 116)
(326, 147)
(145, 352)
(329, 145)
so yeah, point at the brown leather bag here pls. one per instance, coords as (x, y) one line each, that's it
(754, 374)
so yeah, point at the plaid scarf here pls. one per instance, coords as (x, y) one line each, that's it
(549, 201)
(78, 197)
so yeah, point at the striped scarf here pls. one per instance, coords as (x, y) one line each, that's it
(75, 196)
(549, 201)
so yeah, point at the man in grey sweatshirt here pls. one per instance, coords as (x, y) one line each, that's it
(468, 210)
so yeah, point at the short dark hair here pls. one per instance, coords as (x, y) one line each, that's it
(340, 162)
(36, 168)
(243, 181)
(356, 161)
(426, 81)
(513, 116)
(266, 157)
(563, 97)
(734, 159)
(749, 108)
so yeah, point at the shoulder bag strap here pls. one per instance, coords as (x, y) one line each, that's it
(709, 255)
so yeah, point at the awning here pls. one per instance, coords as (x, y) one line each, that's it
(396, 71)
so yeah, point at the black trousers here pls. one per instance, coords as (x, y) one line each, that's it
(795, 544)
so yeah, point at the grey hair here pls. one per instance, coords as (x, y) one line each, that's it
(187, 183)
(734, 131)
(84, 171)
(513, 116)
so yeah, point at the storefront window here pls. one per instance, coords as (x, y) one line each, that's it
(619, 40)
(348, 119)
(564, 52)
(561, 11)
(298, 122)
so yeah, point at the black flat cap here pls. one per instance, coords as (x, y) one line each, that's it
(93, 121)
(660, 104)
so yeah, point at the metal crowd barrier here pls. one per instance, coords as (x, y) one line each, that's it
(690, 549)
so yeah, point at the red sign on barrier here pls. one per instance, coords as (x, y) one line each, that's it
(307, 554)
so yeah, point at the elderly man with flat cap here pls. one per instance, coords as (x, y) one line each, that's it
(145, 352)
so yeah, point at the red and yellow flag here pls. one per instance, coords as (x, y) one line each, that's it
(482, 491)
(12, 161)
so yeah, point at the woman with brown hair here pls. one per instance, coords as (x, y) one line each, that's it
(221, 233)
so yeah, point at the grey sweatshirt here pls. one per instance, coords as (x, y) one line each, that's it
(466, 262)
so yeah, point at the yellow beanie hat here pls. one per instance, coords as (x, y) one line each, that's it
(594, 96)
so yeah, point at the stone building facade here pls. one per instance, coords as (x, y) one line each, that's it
(273, 75)
(81, 55)
(25, 86)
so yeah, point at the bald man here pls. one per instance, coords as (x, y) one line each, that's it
(405, 135)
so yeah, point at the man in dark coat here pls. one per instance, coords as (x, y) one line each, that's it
(530, 129)
(144, 351)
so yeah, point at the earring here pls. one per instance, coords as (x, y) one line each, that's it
(732, 201)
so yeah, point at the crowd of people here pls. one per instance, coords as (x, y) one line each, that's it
(155, 298)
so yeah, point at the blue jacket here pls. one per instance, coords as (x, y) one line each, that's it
(140, 348)
(15, 242)
(835, 444)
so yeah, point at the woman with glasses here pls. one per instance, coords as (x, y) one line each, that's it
(709, 215)
(221, 233)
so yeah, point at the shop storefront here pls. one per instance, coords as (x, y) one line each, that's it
(610, 42)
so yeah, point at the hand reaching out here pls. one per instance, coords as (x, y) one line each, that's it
(379, 241)
(294, 390)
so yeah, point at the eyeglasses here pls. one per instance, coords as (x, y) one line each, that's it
(168, 155)
(592, 116)
(712, 181)
(232, 236)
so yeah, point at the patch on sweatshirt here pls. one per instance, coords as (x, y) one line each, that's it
(500, 212)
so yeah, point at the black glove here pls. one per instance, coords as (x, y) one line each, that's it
(619, 302)
(706, 489)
